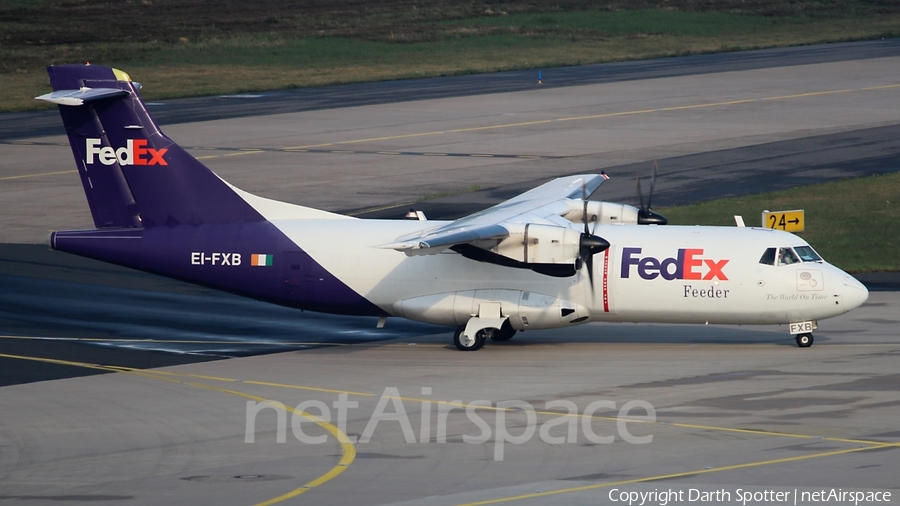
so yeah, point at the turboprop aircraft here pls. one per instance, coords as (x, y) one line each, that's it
(548, 258)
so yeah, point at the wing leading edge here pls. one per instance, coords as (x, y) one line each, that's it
(544, 205)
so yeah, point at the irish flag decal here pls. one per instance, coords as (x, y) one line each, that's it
(261, 260)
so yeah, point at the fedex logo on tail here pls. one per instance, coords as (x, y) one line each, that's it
(135, 152)
(687, 264)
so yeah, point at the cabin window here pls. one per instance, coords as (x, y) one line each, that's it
(786, 256)
(807, 254)
(768, 258)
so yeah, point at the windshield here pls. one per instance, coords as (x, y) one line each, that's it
(786, 256)
(768, 257)
(807, 254)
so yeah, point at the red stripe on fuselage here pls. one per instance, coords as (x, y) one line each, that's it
(606, 281)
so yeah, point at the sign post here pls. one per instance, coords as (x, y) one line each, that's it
(789, 221)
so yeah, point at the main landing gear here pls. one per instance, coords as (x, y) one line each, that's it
(504, 333)
(464, 343)
(804, 340)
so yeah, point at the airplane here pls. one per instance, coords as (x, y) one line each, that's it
(548, 258)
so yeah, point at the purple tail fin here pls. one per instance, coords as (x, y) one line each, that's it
(133, 175)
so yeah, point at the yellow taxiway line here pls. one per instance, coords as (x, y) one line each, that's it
(348, 451)
(600, 116)
(302, 149)
(7, 178)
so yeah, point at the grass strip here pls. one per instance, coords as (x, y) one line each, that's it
(291, 49)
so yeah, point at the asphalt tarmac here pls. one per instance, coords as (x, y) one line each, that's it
(697, 177)
(162, 419)
(61, 306)
(190, 110)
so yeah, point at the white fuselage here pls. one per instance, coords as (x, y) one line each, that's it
(666, 274)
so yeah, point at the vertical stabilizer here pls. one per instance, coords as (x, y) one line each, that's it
(133, 175)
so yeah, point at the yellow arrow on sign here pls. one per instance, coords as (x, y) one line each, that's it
(789, 221)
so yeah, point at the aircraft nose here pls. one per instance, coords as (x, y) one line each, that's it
(854, 293)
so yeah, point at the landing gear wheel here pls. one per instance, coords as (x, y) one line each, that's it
(460, 341)
(505, 333)
(804, 340)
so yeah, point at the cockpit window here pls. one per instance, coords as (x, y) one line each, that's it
(807, 254)
(768, 258)
(786, 256)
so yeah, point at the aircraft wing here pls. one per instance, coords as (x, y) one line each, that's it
(534, 206)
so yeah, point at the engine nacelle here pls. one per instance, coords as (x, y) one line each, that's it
(602, 213)
(525, 310)
(535, 243)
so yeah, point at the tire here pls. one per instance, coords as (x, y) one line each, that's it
(505, 333)
(480, 338)
(804, 340)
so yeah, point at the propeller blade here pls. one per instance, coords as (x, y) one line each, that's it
(640, 194)
(590, 267)
(584, 217)
(590, 246)
(645, 214)
(652, 184)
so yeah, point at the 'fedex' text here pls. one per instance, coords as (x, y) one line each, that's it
(135, 152)
(687, 264)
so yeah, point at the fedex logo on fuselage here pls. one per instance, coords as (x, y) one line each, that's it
(687, 264)
(135, 152)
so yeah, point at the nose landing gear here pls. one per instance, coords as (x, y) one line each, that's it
(804, 340)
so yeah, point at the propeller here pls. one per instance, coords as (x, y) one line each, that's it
(645, 215)
(589, 244)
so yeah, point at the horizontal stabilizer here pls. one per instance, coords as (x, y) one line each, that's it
(80, 96)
